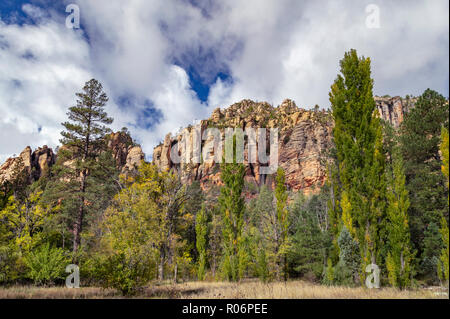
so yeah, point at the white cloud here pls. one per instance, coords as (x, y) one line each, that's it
(271, 49)
(42, 66)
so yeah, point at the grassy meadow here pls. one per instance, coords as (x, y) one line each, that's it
(225, 290)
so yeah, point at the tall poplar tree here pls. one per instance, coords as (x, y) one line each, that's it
(399, 257)
(232, 207)
(360, 159)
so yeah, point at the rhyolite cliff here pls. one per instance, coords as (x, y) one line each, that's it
(304, 138)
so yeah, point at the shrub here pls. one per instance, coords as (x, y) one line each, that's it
(46, 264)
(125, 273)
(9, 259)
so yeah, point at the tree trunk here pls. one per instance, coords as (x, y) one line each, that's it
(161, 265)
(175, 273)
(78, 227)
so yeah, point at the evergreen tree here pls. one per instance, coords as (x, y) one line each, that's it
(420, 139)
(346, 271)
(310, 241)
(83, 174)
(201, 229)
(359, 171)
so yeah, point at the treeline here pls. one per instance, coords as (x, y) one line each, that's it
(385, 203)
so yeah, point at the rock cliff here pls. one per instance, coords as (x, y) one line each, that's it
(305, 136)
(127, 155)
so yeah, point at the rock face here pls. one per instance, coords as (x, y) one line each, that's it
(36, 163)
(128, 156)
(305, 136)
(392, 109)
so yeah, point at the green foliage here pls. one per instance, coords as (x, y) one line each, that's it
(282, 221)
(443, 268)
(329, 273)
(214, 249)
(192, 205)
(46, 264)
(311, 240)
(125, 272)
(444, 148)
(84, 174)
(201, 229)
(444, 258)
(346, 270)
(23, 221)
(398, 261)
(9, 264)
(420, 139)
(262, 267)
(359, 168)
(232, 208)
(145, 221)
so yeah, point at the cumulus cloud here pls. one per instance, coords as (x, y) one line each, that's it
(144, 52)
(41, 67)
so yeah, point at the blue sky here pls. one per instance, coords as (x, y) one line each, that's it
(166, 63)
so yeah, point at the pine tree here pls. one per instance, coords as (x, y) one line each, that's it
(359, 167)
(420, 139)
(82, 176)
(399, 258)
(201, 229)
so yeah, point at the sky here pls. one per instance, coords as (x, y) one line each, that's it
(165, 64)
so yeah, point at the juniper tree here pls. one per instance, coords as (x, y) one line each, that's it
(82, 175)
(359, 167)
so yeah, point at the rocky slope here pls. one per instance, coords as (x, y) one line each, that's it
(125, 152)
(304, 138)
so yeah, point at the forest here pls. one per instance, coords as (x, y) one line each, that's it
(385, 202)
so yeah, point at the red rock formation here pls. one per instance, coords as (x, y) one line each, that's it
(304, 138)
(127, 155)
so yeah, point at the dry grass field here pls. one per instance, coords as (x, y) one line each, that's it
(219, 290)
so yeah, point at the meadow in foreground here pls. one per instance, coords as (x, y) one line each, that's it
(226, 290)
